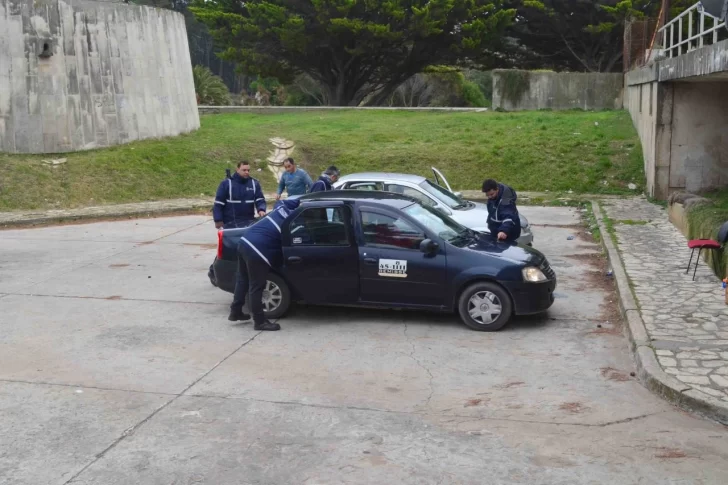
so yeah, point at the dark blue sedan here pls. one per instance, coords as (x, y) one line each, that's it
(378, 249)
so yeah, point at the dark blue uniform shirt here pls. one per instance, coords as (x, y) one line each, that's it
(263, 239)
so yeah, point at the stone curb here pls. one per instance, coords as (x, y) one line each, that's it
(649, 370)
(89, 214)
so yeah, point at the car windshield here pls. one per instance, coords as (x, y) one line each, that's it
(440, 224)
(443, 195)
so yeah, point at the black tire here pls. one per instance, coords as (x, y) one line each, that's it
(500, 295)
(285, 293)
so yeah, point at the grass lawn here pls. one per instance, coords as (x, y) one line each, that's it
(587, 152)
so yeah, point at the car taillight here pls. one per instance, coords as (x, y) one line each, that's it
(219, 244)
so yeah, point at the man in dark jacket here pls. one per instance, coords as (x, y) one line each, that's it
(330, 176)
(503, 219)
(236, 201)
(260, 249)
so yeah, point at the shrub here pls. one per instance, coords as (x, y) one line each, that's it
(484, 80)
(210, 89)
(473, 96)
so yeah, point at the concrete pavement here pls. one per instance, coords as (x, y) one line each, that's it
(117, 366)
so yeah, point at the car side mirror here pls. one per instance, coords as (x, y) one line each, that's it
(428, 246)
(458, 195)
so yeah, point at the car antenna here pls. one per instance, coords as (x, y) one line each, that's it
(227, 173)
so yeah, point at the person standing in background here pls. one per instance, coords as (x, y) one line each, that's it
(294, 181)
(330, 176)
(237, 200)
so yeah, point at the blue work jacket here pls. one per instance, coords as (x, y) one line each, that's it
(503, 213)
(263, 239)
(237, 201)
(322, 184)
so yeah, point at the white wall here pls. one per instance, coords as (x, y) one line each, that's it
(118, 73)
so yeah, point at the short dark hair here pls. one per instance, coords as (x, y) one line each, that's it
(243, 162)
(332, 170)
(489, 185)
(290, 160)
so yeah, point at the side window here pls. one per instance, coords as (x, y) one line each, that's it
(364, 186)
(409, 191)
(319, 226)
(390, 232)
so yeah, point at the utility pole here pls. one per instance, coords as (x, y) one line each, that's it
(665, 12)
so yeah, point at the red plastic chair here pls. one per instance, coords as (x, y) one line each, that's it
(709, 244)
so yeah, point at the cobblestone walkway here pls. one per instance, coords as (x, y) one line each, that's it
(686, 320)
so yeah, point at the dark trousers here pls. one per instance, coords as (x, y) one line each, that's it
(250, 281)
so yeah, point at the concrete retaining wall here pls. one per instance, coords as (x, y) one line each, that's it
(683, 128)
(117, 73)
(561, 91)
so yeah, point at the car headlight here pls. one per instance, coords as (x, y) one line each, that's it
(533, 275)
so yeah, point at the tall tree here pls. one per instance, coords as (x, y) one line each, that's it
(355, 49)
(579, 35)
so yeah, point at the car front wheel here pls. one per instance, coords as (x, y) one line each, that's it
(485, 306)
(276, 297)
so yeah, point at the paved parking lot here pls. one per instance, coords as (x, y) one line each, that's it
(118, 366)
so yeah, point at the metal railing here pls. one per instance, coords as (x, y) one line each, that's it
(694, 18)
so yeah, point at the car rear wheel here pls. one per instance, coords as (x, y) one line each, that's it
(485, 306)
(276, 297)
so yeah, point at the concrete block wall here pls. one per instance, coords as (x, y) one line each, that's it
(683, 129)
(118, 73)
(699, 141)
(679, 106)
(562, 91)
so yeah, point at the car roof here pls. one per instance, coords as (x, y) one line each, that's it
(381, 176)
(390, 199)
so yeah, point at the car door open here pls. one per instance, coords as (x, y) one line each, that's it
(440, 179)
(319, 254)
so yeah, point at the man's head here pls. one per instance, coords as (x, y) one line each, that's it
(289, 165)
(243, 169)
(490, 188)
(333, 173)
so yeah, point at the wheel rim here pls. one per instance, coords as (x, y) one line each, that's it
(484, 307)
(272, 296)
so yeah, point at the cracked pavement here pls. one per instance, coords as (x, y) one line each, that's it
(118, 366)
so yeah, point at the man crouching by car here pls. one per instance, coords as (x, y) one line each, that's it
(503, 219)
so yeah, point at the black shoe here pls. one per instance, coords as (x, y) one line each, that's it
(266, 325)
(236, 316)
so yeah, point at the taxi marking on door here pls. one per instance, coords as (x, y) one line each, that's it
(393, 268)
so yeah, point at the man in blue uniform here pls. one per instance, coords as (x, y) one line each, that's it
(503, 219)
(237, 199)
(236, 202)
(330, 176)
(259, 250)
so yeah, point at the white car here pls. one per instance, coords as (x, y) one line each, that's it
(473, 215)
